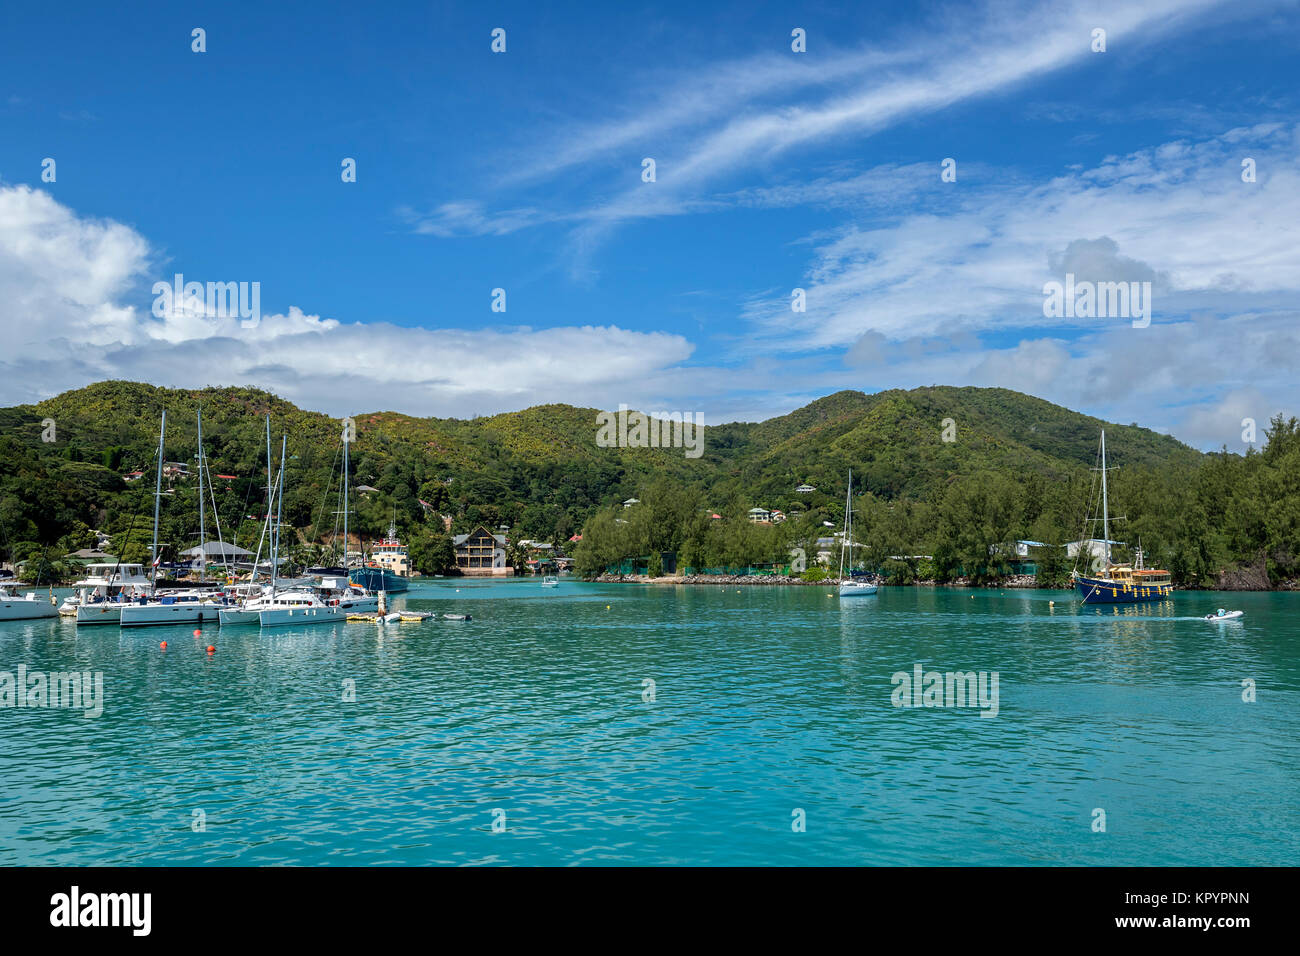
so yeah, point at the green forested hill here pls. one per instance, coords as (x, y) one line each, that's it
(540, 471)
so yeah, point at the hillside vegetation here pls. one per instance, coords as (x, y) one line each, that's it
(1016, 467)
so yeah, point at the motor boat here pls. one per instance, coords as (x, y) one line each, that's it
(1223, 615)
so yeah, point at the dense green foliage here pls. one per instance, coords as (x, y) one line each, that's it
(1017, 468)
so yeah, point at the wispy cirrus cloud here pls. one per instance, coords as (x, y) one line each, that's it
(737, 118)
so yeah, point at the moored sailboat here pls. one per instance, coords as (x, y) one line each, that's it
(851, 588)
(29, 606)
(1112, 583)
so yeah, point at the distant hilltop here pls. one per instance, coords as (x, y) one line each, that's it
(900, 442)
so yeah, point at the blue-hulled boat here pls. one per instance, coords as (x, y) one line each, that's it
(387, 568)
(1117, 583)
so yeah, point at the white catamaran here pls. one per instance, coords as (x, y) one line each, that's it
(335, 598)
(104, 591)
(180, 606)
(851, 588)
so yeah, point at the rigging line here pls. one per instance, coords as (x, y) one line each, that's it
(324, 498)
(216, 516)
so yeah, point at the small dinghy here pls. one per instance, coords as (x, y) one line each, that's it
(457, 617)
(392, 618)
(1224, 615)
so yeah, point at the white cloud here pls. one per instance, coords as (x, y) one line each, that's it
(1178, 215)
(73, 310)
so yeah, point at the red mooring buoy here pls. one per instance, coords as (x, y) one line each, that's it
(211, 649)
(197, 632)
(163, 645)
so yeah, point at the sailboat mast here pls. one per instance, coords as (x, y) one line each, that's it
(270, 497)
(1105, 503)
(345, 500)
(279, 505)
(203, 554)
(157, 496)
(848, 524)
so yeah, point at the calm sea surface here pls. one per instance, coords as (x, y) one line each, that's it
(770, 706)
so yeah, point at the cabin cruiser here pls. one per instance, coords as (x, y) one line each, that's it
(105, 590)
(25, 608)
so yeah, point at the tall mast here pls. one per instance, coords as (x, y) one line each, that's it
(279, 506)
(203, 554)
(1105, 503)
(157, 496)
(270, 497)
(345, 500)
(848, 524)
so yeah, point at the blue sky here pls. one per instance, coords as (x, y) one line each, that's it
(774, 170)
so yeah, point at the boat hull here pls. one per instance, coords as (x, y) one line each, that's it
(377, 579)
(159, 615)
(293, 616)
(234, 616)
(857, 590)
(21, 609)
(106, 612)
(1103, 591)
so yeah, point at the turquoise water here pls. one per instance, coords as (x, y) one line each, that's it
(766, 701)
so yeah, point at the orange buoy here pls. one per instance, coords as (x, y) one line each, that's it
(163, 645)
(211, 649)
(197, 632)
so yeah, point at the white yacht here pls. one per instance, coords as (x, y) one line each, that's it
(104, 591)
(174, 607)
(333, 601)
(28, 607)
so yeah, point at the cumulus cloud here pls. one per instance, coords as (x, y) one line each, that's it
(74, 309)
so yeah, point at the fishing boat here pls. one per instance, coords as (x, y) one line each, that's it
(851, 588)
(28, 607)
(550, 581)
(387, 568)
(1109, 582)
